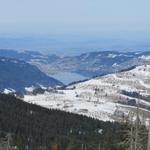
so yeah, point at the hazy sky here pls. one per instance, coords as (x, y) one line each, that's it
(51, 16)
(92, 21)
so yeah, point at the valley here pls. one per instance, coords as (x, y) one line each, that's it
(40, 112)
(84, 66)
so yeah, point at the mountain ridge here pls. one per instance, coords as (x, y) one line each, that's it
(83, 66)
(16, 75)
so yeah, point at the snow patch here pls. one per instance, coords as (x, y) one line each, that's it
(147, 58)
(112, 55)
(9, 91)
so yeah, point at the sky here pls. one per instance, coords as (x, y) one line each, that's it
(75, 21)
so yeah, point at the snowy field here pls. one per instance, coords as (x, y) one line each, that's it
(101, 97)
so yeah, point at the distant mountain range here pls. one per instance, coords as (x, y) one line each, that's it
(83, 66)
(16, 75)
(94, 63)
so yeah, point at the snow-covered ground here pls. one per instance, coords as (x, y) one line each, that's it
(101, 97)
(8, 91)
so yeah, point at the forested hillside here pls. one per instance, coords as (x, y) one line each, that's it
(16, 75)
(33, 127)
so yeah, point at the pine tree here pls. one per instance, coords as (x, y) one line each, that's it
(7, 143)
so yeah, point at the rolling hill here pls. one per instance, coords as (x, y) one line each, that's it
(108, 98)
(33, 127)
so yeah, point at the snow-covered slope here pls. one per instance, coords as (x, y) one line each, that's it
(111, 97)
